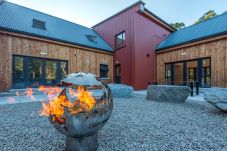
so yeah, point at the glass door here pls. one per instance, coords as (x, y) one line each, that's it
(18, 72)
(50, 73)
(35, 72)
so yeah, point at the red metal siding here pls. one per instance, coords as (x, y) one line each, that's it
(112, 27)
(141, 38)
(148, 35)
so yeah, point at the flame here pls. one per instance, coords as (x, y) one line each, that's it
(29, 93)
(56, 108)
(17, 93)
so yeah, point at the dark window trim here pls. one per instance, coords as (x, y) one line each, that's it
(39, 24)
(40, 58)
(190, 60)
(104, 70)
(123, 45)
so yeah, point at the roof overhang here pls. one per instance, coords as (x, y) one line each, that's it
(127, 8)
(155, 18)
(194, 42)
(51, 40)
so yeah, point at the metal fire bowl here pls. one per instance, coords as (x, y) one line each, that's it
(82, 129)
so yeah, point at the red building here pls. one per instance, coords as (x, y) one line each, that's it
(134, 33)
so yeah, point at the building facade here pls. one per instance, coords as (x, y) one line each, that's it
(36, 51)
(134, 33)
(133, 47)
(197, 53)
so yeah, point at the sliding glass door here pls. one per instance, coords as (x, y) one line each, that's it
(33, 72)
(185, 72)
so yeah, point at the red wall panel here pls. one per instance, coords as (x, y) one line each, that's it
(142, 36)
(112, 27)
(148, 35)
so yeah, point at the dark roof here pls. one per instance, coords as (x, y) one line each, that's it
(145, 9)
(19, 19)
(213, 27)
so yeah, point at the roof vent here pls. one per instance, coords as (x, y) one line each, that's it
(91, 38)
(39, 24)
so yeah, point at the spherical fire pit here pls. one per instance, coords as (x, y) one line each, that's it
(81, 109)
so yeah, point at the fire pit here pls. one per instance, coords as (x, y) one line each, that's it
(81, 109)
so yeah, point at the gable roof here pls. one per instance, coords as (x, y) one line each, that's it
(140, 2)
(19, 19)
(213, 27)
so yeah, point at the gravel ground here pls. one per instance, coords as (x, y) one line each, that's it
(135, 124)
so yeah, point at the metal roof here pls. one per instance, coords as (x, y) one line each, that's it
(19, 19)
(140, 2)
(206, 29)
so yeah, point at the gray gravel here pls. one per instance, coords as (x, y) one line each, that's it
(136, 124)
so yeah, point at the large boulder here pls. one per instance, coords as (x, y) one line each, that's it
(120, 90)
(168, 93)
(217, 97)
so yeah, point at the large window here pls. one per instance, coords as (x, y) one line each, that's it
(120, 40)
(104, 71)
(33, 72)
(185, 72)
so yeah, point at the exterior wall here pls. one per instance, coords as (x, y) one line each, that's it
(148, 34)
(216, 50)
(123, 56)
(79, 59)
(141, 38)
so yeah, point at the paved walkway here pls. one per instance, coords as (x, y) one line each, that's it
(42, 97)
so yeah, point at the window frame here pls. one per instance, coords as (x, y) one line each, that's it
(123, 41)
(106, 71)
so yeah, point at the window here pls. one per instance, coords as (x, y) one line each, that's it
(39, 24)
(34, 71)
(91, 38)
(120, 40)
(104, 71)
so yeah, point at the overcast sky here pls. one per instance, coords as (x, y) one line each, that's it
(90, 12)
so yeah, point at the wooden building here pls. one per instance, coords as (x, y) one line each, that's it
(197, 53)
(39, 49)
(134, 33)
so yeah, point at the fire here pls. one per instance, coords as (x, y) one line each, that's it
(17, 93)
(29, 93)
(57, 107)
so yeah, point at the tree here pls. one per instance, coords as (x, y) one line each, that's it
(178, 25)
(208, 15)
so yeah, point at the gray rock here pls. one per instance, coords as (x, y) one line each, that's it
(217, 97)
(120, 90)
(168, 93)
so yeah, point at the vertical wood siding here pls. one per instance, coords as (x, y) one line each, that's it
(216, 50)
(79, 60)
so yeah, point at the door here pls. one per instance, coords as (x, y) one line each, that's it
(192, 74)
(118, 73)
(18, 72)
(33, 72)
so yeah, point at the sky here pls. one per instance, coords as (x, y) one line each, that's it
(91, 12)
